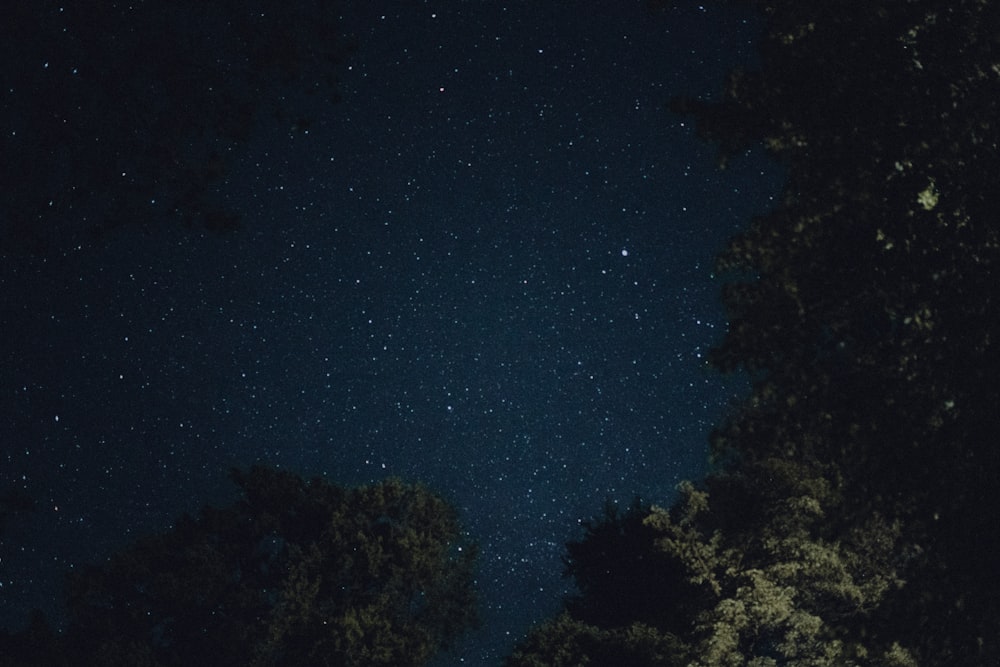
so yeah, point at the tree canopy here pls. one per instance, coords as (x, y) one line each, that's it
(294, 573)
(851, 517)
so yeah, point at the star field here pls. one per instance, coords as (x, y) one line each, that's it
(487, 268)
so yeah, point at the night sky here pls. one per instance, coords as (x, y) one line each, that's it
(487, 267)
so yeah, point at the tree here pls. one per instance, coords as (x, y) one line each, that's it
(697, 590)
(623, 577)
(851, 516)
(295, 573)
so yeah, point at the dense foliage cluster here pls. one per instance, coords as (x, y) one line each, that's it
(852, 516)
(296, 573)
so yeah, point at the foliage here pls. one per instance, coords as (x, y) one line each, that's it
(622, 578)
(785, 591)
(852, 515)
(872, 313)
(295, 573)
(567, 642)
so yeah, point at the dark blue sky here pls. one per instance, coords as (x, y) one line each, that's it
(487, 268)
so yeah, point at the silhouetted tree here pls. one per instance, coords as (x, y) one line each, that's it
(852, 516)
(295, 573)
(621, 575)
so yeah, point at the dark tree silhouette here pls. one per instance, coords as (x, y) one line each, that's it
(622, 576)
(852, 516)
(295, 573)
